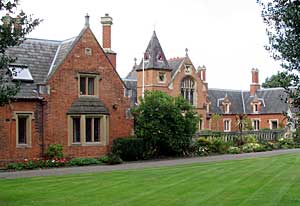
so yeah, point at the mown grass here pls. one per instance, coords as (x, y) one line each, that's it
(258, 181)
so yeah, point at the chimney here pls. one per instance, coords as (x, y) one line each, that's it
(254, 86)
(106, 22)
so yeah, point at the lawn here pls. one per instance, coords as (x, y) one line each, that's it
(258, 181)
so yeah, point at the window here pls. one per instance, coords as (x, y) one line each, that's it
(188, 89)
(227, 125)
(88, 85)
(256, 124)
(146, 56)
(88, 51)
(88, 129)
(188, 69)
(226, 108)
(200, 125)
(23, 128)
(273, 123)
(161, 77)
(20, 73)
(159, 56)
(255, 108)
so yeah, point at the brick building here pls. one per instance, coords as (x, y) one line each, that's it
(71, 94)
(178, 76)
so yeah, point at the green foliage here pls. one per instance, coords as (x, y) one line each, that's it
(252, 147)
(54, 151)
(113, 159)
(37, 163)
(243, 122)
(14, 26)
(219, 146)
(234, 150)
(281, 79)
(83, 161)
(286, 143)
(282, 18)
(129, 148)
(166, 124)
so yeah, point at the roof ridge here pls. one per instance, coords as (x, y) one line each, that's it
(44, 40)
(231, 90)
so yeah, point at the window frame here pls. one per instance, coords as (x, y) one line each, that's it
(270, 123)
(225, 125)
(88, 76)
(103, 127)
(255, 125)
(164, 77)
(29, 117)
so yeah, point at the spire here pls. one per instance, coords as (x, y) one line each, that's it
(154, 56)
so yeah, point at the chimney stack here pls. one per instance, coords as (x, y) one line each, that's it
(254, 86)
(106, 22)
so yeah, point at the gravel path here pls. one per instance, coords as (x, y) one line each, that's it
(139, 165)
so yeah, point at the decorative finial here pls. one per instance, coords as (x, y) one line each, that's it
(186, 52)
(134, 61)
(87, 20)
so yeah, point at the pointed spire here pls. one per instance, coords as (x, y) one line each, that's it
(154, 55)
(135, 61)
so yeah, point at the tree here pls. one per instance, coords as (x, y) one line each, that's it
(216, 121)
(281, 79)
(282, 18)
(166, 124)
(14, 26)
(243, 122)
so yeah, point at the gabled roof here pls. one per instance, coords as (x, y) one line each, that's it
(132, 74)
(175, 64)
(153, 51)
(273, 101)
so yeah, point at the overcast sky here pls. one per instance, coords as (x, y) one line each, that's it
(228, 37)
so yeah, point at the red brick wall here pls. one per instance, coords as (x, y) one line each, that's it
(264, 121)
(64, 91)
(8, 149)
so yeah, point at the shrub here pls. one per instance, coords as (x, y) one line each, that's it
(251, 147)
(37, 163)
(113, 159)
(203, 146)
(104, 159)
(286, 143)
(219, 146)
(83, 161)
(54, 151)
(234, 150)
(166, 124)
(128, 148)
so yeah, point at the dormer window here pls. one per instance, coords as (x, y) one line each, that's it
(159, 56)
(146, 56)
(255, 107)
(226, 108)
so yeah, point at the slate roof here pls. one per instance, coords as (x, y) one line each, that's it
(175, 63)
(37, 55)
(153, 50)
(131, 85)
(273, 101)
(88, 105)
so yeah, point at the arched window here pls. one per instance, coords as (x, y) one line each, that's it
(188, 89)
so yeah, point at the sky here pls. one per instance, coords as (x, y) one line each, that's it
(228, 37)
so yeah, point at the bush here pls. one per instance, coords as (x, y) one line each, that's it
(251, 147)
(202, 146)
(219, 146)
(113, 159)
(286, 143)
(54, 151)
(234, 150)
(128, 148)
(166, 124)
(84, 161)
(37, 163)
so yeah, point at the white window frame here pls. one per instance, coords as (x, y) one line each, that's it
(270, 123)
(255, 126)
(227, 126)
(226, 108)
(201, 124)
(255, 108)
